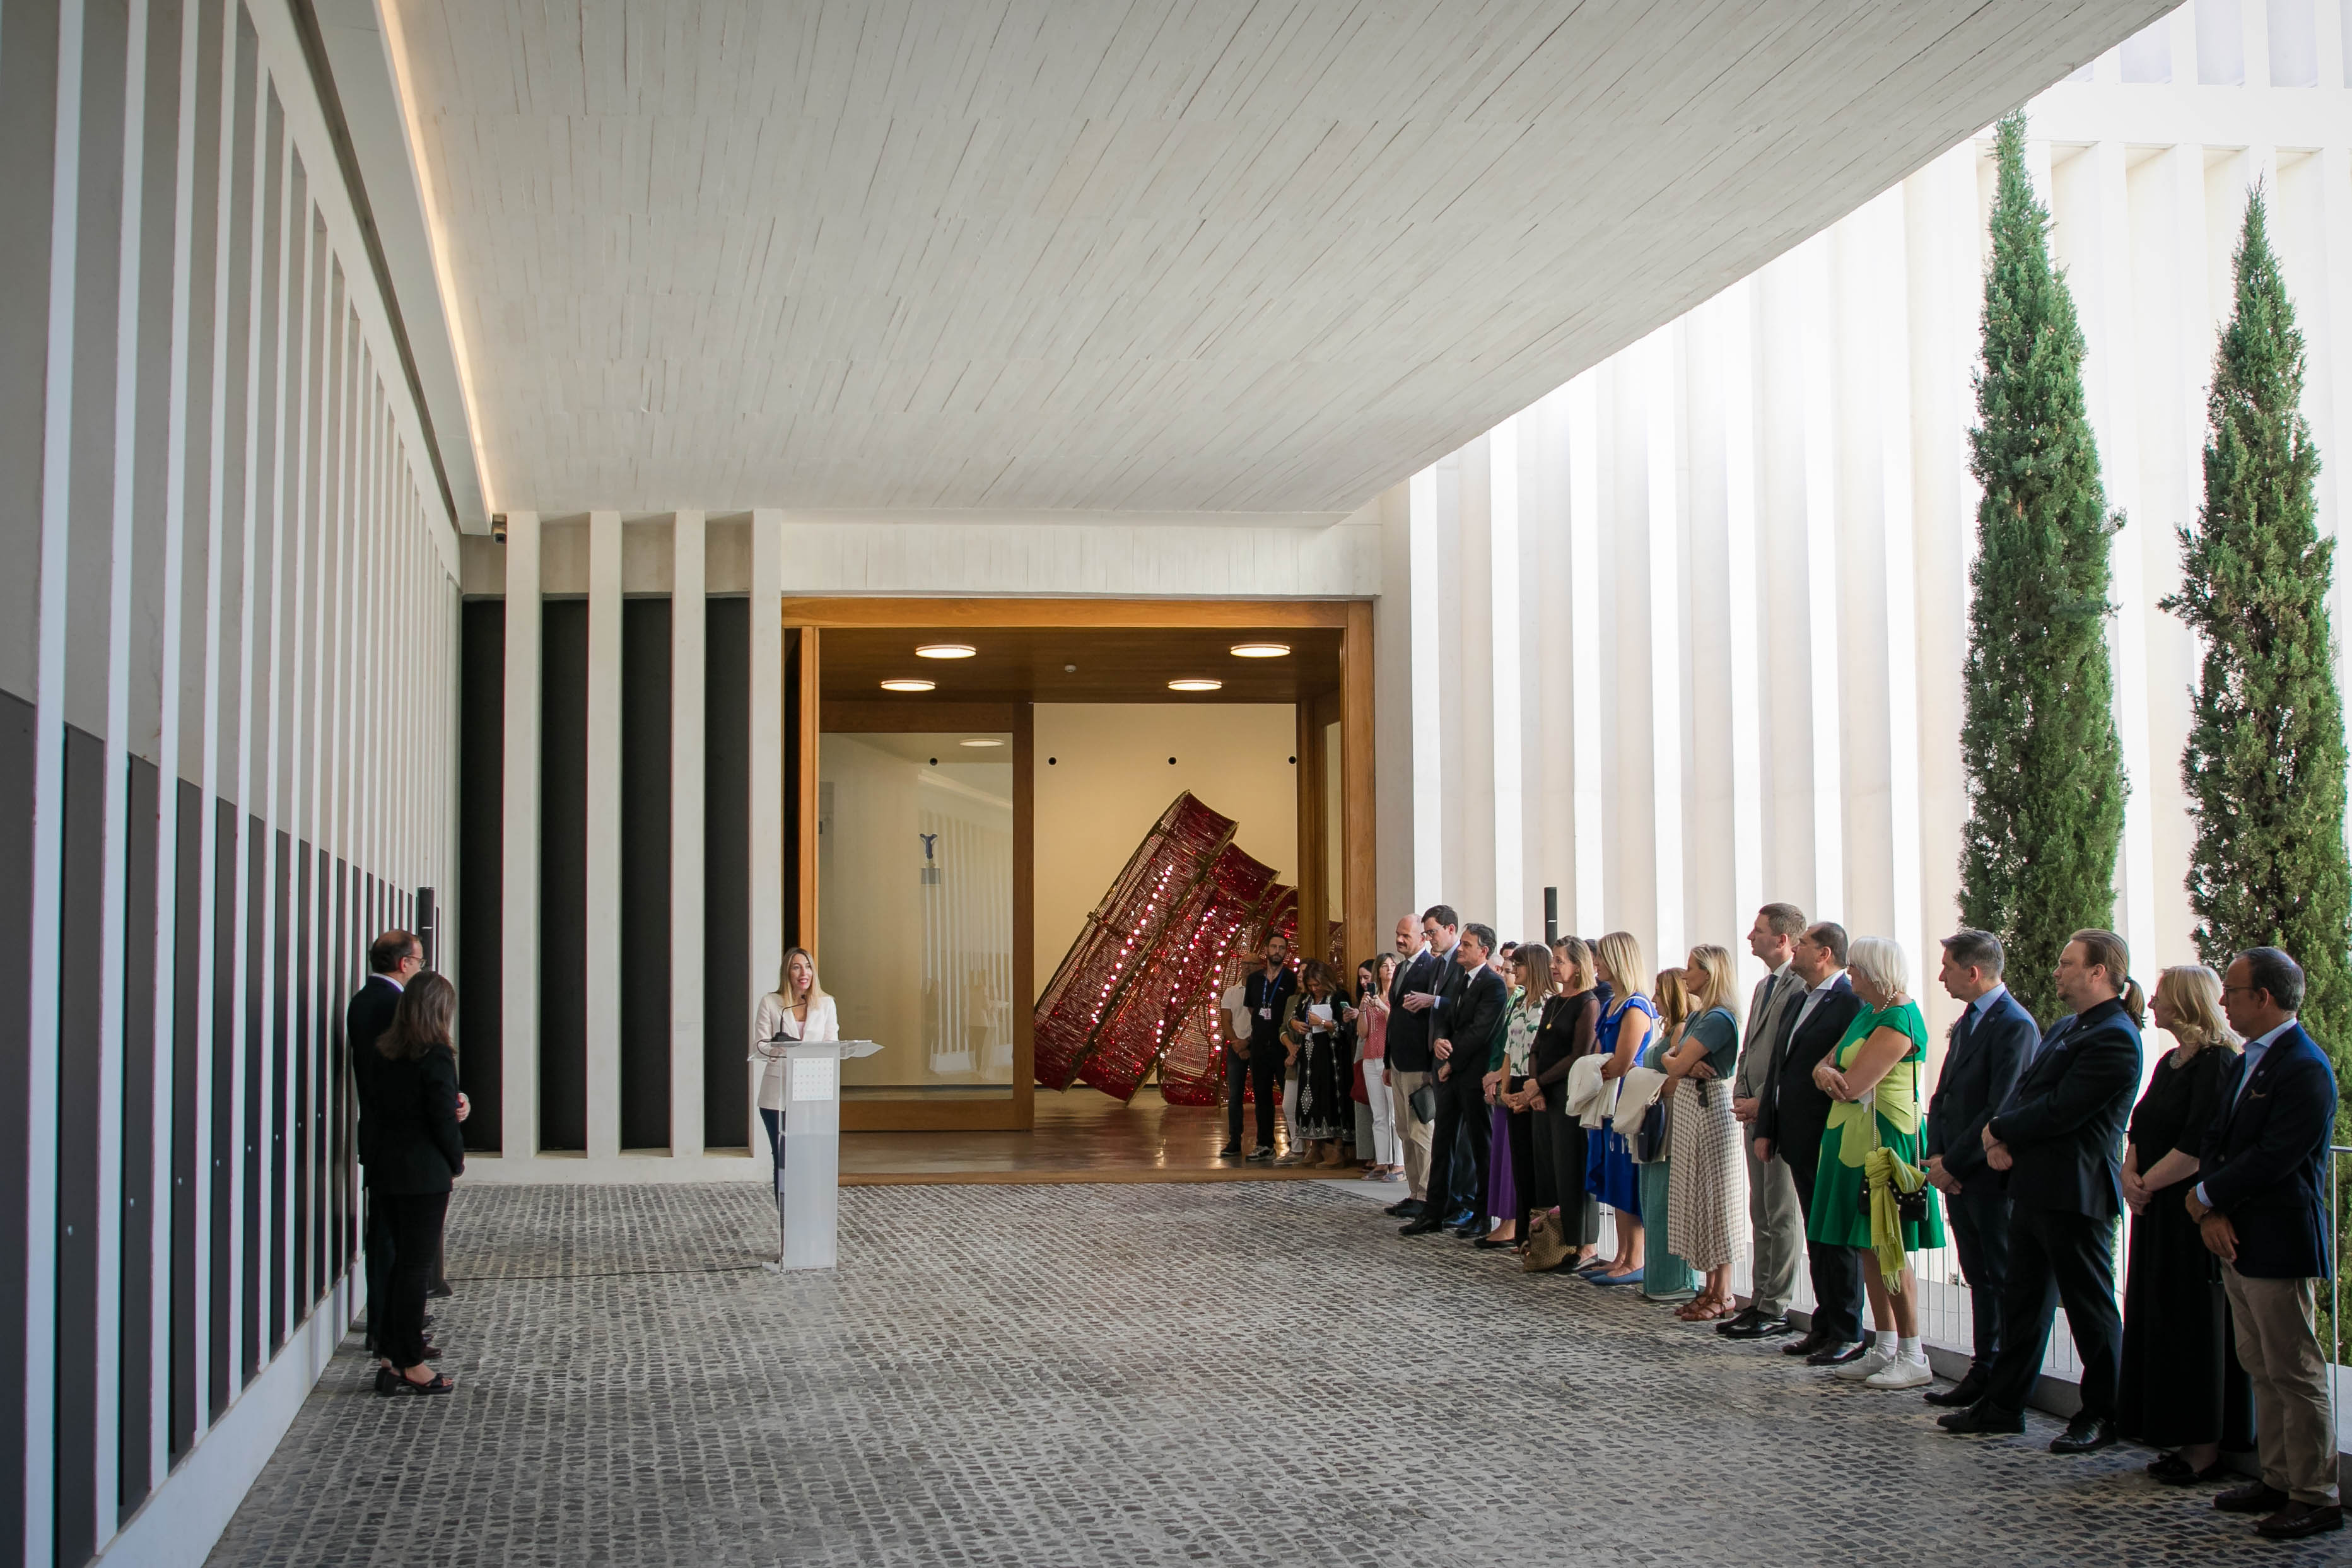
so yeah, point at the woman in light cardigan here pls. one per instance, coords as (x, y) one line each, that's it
(801, 1011)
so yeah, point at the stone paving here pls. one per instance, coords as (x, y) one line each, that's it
(1069, 1375)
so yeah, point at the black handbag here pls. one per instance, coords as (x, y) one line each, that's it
(1649, 1138)
(1423, 1101)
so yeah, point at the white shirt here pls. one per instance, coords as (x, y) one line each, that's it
(1813, 997)
(774, 1017)
(2255, 1050)
(1236, 1008)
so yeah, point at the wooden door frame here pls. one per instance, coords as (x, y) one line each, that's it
(812, 617)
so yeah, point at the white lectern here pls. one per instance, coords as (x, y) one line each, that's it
(808, 1195)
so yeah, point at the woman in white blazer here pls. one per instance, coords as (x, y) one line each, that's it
(801, 1011)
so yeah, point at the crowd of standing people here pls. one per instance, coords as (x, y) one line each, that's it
(1521, 1090)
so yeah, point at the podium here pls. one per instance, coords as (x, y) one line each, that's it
(808, 1187)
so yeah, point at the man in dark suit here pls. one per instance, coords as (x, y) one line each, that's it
(394, 959)
(2059, 1137)
(1776, 1217)
(1790, 1122)
(1266, 994)
(1418, 970)
(1990, 1046)
(1468, 1009)
(2262, 1207)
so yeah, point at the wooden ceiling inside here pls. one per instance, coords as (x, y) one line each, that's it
(1122, 664)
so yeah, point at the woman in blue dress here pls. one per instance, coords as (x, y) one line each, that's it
(1627, 1028)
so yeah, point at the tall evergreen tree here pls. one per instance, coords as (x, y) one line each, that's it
(2045, 781)
(2264, 763)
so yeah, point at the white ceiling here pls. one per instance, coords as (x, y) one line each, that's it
(1137, 254)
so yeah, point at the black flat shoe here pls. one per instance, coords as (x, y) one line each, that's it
(1757, 1328)
(2085, 1434)
(2254, 1497)
(1959, 1397)
(1981, 1418)
(2175, 1472)
(1489, 1243)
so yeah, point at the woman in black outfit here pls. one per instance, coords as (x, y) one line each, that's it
(415, 1155)
(2182, 1388)
(1567, 1033)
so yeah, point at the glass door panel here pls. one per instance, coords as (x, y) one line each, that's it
(915, 907)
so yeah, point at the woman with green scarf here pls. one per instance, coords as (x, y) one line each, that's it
(1873, 1142)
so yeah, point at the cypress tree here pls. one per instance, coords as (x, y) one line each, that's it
(2044, 770)
(2264, 762)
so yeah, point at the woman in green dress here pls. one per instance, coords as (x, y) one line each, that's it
(1873, 1075)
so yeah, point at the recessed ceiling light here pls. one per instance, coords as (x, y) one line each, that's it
(1260, 649)
(1196, 685)
(948, 651)
(979, 742)
(909, 684)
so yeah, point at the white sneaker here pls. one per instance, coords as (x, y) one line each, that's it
(1904, 1372)
(1870, 1365)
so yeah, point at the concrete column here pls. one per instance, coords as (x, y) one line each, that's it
(1733, 377)
(1661, 407)
(2107, 298)
(1508, 661)
(1584, 634)
(767, 834)
(1889, 316)
(604, 880)
(519, 939)
(1816, 410)
(1428, 762)
(687, 649)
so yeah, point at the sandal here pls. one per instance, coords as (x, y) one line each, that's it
(440, 1385)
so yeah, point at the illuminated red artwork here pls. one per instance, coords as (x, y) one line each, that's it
(1143, 977)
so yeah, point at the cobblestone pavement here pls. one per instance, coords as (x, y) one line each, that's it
(1065, 1375)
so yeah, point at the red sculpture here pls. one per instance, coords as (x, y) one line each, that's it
(1187, 909)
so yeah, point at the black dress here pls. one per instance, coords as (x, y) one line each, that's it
(2181, 1380)
(1323, 1101)
(1560, 1153)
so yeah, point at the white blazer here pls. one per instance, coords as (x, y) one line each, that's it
(773, 1017)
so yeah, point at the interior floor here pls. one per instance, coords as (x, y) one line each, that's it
(1081, 1135)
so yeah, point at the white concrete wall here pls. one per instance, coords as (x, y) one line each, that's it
(1740, 679)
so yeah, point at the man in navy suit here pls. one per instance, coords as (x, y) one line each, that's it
(2060, 1138)
(1990, 1046)
(394, 959)
(1789, 1122)
(1469, 1006)
(2260, 1204)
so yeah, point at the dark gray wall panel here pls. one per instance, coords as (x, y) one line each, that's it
(140, 1053)
(645, 873)
(727, 871)
(563, 877)
(220, 1358)
(81, 1006)
(279, 1087)
(15, 1046)
(481, 863)
(253, 973)
(188, 1181)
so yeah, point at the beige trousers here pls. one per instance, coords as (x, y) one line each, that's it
(2280, 1351)
(1412, 1134)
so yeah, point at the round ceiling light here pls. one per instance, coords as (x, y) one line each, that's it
(945, 650)
(909, 684)
(979, 742)
(1260, 649)
(1196, 685)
